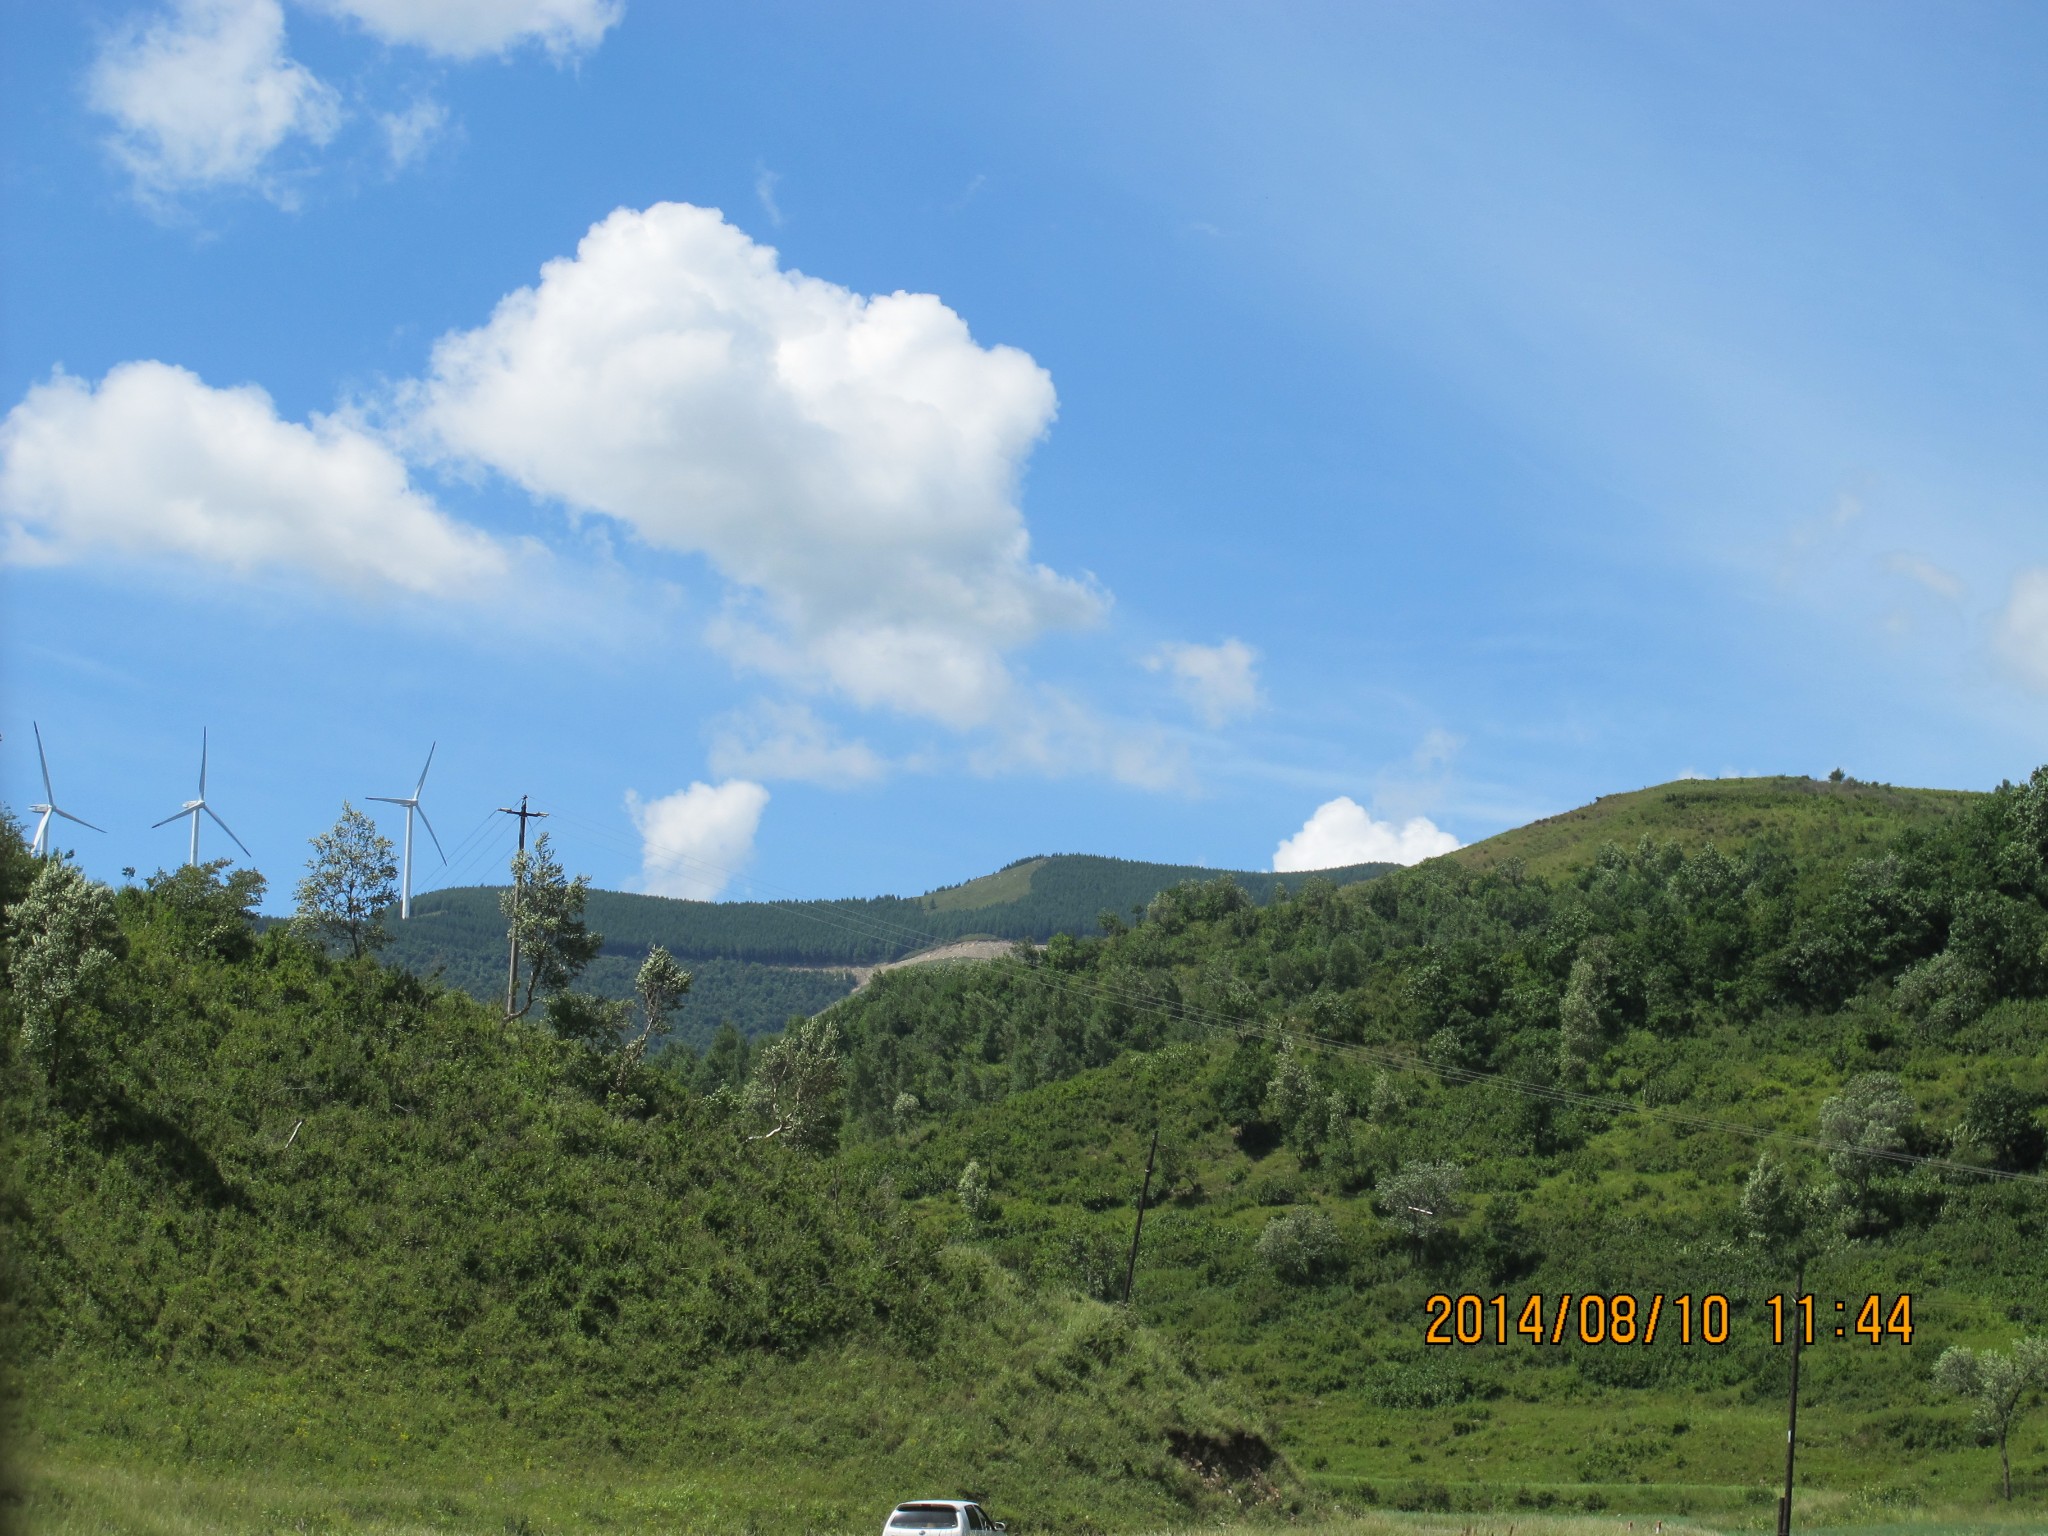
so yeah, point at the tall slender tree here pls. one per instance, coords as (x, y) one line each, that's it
(349, 881)
(545, 910)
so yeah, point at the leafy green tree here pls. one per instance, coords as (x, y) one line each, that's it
(350, 880)
(1421, 1197)
(659, 989)
(66, 946)
(2005, 1122)
(1943, 993)
(544, 908)
(973, 1192)
(209, 909)
(1240, 1089)
(1504, 1246)
(1300, 1245)
(796, 1087)
(1586, 1013)
(1294, 1103)
(1998, 1387)
(1784, 1218)
(1867, 1119)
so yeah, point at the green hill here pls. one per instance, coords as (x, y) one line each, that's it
(297, 1242)
(756, 963)
(1822, 822)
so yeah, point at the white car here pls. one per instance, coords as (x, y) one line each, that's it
(928, 1516)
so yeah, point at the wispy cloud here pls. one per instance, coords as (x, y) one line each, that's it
(765, 183)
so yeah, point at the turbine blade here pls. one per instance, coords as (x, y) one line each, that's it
(174, 816)
(388, 799)
(423, 772)
(431, 833)
(79, 819)
(202, 762)
(227, 829)
(49, 794)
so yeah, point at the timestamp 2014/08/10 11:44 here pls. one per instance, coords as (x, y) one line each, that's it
(1597, 1317)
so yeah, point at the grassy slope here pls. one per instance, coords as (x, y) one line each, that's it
(289, 1223)
(1640, 1206)
(1824, 823)
(1619, 1203)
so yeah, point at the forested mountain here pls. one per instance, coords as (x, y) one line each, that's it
(275, 1210)
(758, 962)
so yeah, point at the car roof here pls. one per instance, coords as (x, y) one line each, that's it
(937, 1504)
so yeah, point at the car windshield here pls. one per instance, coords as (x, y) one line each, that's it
(925, 1517)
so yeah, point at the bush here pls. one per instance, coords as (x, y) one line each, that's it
(1300, 1245)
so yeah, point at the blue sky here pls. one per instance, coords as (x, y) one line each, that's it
(827, 450)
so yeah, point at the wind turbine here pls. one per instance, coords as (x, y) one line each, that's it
(412, 806)
(192, 808)
(41, 846)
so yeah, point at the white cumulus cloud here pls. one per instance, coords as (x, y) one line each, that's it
(1342, 832)
(204, 94)
(850, 463)
(468, 29)
(788, 741)
(693, 842)
(1218, 681)
(155, 462)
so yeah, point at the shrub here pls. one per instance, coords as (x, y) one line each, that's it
(1300, 1245)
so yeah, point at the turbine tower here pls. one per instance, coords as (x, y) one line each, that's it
(412, 806)
(192, 808)
(41, 846)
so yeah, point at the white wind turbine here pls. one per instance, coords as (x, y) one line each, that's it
(41, 846)
(192, 808)
(412, 806)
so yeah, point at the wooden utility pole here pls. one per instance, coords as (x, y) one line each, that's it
(1144, 1194)
(512, 965)
(1792, 1406)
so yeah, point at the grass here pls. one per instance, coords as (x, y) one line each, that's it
(1005, 885)
(78, 1499)
(1821, 820)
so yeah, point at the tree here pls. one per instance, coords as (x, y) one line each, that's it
(1421, 1197)
(1300, 1244)
(1240, 1088)
(209, 908)
(1294, 1103)
(1586, 1012)
(659, 989)
(1997, 1387)
(545, 910)
(66, 946)
(349, 881)
(1867, 1119)
(1784, 1219)
(796, 1085)
(2002, 1121)
(973, 1191)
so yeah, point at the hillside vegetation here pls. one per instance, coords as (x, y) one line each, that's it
(269, 1209)
(279, 1219)
(1568, 1067)
(1821, 823)
(758, 962)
